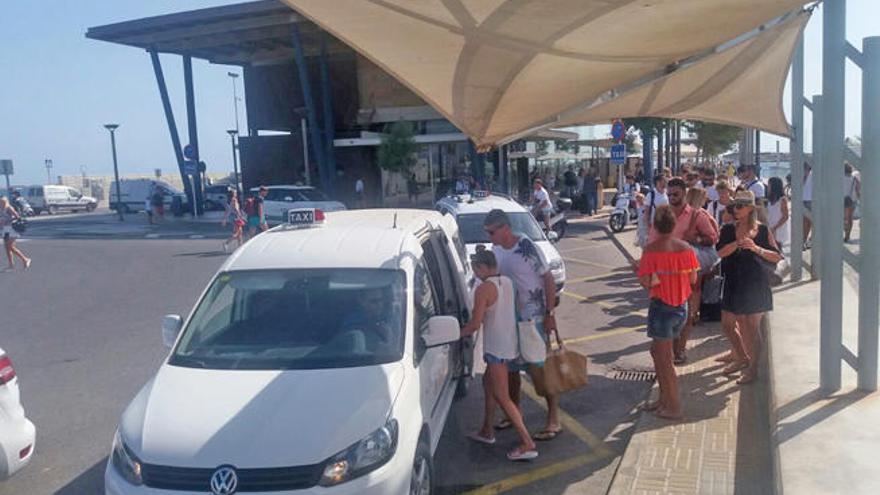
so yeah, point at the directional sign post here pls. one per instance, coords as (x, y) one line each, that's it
(6, 169)
(618, 154)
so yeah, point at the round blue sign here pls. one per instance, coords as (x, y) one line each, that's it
(618, 132)
(189, 152)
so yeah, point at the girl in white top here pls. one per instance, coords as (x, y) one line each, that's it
(494, 310)
(777, 212)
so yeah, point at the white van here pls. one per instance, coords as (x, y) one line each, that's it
(53, 199)
(134, 194)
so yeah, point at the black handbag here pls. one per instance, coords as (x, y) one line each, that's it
(19, 225)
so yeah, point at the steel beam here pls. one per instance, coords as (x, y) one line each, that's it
(329, 125)
(311, 112)
(796, 150)
(169, 118)
(869, 273)
(193, 133)
(816, 216)
(833, 131)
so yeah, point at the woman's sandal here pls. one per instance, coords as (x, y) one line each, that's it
(662, 413)
(546, 435)
(475, 436)
(726, 358)
(503, 424)
(518, 454)
(680, 359)
(735, 367)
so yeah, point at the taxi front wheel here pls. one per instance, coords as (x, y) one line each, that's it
(422, 480)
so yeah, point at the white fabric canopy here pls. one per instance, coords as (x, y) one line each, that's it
(500, 69)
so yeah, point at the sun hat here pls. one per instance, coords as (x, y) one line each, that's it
(745, 198)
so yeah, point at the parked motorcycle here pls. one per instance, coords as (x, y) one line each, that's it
(558, 218)
(625, 212)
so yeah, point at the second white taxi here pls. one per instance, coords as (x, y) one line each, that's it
(322, 358)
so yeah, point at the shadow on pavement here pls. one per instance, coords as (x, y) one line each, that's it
(203, 254)
(89, 482)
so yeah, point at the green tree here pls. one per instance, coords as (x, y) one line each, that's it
(713, 139)
(398, 148)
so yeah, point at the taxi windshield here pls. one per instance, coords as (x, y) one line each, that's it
(297, 319)
(471, 226)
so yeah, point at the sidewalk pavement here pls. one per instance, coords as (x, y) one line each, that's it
(720, 447)
(824, 442)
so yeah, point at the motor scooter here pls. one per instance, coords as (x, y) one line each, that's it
(558, 219)
(625, 211)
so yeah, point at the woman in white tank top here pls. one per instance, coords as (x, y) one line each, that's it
(494, 310)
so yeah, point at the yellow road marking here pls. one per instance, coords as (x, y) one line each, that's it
(590, 263)
(578, 297)
(609, 333)
(569, 423)
(536, 475)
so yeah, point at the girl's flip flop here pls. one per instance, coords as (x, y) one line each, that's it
(522, 455)
(546, 435)
(475, 436)
(503, 424)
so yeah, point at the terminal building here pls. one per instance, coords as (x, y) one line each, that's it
(316, 109)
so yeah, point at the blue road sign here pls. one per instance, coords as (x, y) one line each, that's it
(618, 131)
(618, 154)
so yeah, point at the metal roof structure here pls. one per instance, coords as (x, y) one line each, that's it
(241, 34)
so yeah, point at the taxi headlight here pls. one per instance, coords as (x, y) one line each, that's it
(362, 457)
(125, 462)
(556, 265)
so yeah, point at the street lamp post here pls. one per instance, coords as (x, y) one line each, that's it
(112, 128)
(48, 163)
(234, 76)
(232, 133)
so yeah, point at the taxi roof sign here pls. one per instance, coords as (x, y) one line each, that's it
(304, 217)
(480, 194)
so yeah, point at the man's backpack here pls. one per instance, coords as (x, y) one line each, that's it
(250, 207)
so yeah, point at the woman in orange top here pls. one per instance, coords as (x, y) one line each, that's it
(668, 269)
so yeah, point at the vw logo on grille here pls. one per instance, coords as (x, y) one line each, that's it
(224, 481)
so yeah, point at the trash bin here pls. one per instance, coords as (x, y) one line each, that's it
(177, 206)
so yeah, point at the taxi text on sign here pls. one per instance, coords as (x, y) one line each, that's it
(618, 154)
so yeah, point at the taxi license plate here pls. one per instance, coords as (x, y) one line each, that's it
(301, 217)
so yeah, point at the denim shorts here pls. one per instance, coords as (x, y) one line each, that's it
(664, 321)
(492, 359)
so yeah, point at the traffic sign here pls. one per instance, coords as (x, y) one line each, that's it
(190, 168)
(618, 154)
(6, 167)
(618, 130)
(189, 152)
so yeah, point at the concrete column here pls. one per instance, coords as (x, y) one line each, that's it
(831, 292)
(796, 152)
(818, 181)
(869, 259)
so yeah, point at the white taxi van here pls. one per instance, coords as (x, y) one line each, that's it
(322, 358)
(470, 210)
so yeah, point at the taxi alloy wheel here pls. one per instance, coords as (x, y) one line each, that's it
(421, 481)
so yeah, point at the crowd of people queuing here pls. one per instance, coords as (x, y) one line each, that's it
(708, 242)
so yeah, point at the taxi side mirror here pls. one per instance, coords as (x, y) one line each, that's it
(441, 330)
(170, 329)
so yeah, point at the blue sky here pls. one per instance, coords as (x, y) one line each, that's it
(58, 88)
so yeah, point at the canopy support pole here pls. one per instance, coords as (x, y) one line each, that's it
(311, 112)
(833, 130)
(169, 118)
(796, 162)
(193, 133)
(329, 125)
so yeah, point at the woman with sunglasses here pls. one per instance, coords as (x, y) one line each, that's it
(745, 247)
(494, 311)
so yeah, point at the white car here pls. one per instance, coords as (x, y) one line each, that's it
(470, 211)
(17, 433)
(319, 360)
(283, 198)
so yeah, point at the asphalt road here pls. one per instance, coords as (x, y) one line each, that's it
(83, 328)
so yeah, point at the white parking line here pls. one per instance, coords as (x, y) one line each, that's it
(151, 236)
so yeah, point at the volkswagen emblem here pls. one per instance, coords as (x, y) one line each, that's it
(224, 481)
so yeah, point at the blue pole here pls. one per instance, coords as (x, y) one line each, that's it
(169, 119)
(311, 111)
(329, 127)
(193, 133)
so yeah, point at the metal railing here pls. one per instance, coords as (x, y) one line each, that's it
(829, 153)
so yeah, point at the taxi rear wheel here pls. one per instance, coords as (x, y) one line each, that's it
(422, 481)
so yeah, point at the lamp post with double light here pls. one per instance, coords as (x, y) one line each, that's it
(112, 128)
